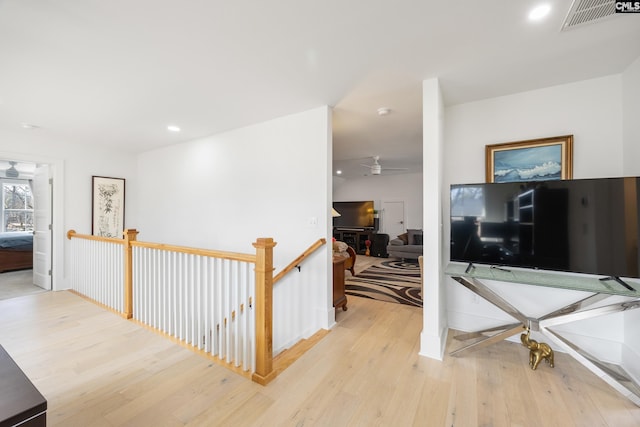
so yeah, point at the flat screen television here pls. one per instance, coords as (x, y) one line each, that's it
(354, 214)
(584, 226)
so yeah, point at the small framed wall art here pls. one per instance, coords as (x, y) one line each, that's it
(107, 208)
(531, 160)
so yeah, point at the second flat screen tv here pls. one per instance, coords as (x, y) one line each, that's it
(354, 214)
(584, 226)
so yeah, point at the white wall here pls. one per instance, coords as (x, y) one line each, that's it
(631, 141)
(224, 191)
(591, 110)
(435, 323)
(390, 188)
(631, 118)
(72, 166)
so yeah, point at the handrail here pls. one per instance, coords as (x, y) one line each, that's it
(234, 256)
(264, 280)
(298, 260)
(72, 233)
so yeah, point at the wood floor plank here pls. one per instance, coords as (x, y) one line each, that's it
(463, 392)
(97, 369)
(514, 367)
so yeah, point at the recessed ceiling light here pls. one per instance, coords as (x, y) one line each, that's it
(539, 12)
(339, 172)
(29, 126)
(173, 128)
(383, 111)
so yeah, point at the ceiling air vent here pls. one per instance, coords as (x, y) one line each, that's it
(588, 11)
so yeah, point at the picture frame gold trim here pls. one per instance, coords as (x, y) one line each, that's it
(566, 161)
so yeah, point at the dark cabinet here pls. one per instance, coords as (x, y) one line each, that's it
(20, 402)
(339, 296)
(357, 240)
(354, 238)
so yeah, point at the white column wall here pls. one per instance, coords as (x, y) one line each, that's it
(434, 330)
(265, 180)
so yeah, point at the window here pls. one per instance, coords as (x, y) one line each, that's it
(17, 204)
(467, 201)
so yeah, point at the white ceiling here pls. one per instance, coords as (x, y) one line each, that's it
(118, 72)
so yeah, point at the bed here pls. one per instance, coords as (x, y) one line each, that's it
(16, 250)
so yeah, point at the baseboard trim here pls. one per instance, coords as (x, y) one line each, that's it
(433, 346)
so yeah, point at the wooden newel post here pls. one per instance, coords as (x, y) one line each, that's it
(264, 311)
(129, 236)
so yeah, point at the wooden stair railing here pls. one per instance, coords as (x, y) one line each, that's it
(296, 262)
(264, 311)
(264, 281)
(130, 235)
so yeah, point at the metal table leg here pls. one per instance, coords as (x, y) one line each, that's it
(614, 375)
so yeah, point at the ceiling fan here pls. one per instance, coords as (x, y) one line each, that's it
(376, 167)
(12, 172)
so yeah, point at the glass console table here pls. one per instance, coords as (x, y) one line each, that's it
(472, 278)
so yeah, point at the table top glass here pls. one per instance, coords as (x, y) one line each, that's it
(559, 280)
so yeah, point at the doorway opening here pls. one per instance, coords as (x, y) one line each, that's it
(25, 228)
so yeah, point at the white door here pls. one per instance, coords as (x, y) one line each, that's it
(393, 218)
(42, 227)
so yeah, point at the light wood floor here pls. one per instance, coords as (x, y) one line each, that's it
(17, 283)
(97, 369)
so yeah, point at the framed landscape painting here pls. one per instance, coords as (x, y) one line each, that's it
(108, 207)
(531, 160)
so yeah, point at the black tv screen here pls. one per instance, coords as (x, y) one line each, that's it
(354, 214)
(585, 226)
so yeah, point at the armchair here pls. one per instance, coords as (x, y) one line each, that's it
(341, 249)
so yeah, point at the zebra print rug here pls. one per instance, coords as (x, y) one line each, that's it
(393, 281)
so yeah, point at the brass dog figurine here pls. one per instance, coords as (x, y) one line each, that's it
(538, 351)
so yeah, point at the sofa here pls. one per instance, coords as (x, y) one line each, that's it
(407, 245)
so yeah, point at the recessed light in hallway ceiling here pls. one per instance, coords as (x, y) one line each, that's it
(539, 12)
(29, 126)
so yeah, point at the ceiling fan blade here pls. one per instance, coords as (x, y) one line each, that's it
(366, 166)
(395, 169)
